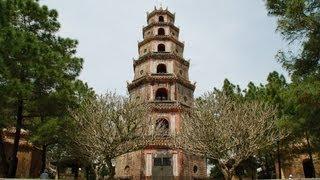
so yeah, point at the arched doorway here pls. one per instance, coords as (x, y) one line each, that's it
(308, 168)
(161, 68)
(161, 48)
(161, 94)
(161, 19)
(161, 32)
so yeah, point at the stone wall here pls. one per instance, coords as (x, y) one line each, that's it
(130, 165)
(193, 166)
(293, 165)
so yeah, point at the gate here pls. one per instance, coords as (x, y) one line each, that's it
(162, 168)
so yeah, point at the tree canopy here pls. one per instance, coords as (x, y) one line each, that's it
(38, 68)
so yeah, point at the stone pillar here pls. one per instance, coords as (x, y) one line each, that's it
(148, 164)
(175, 165)
(151, 94)
(173, 124)
(172, 92)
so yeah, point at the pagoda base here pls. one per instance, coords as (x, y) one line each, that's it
(160, 164)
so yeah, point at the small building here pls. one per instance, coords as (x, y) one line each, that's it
(300, 166)
(29, 156)
(296, 162)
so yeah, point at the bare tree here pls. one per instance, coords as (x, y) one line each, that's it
(109, 126)
(228, 131)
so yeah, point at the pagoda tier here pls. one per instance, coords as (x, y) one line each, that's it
(160, 78)
(174, 30)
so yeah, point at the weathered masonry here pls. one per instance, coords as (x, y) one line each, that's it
(161, 78)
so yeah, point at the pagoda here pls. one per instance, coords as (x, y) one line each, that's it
(161, 78)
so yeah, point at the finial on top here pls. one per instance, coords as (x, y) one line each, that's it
(160, 4)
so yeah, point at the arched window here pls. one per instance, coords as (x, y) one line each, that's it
(127, 169)
(195, 169)
(162, 94)
(162, 126)
(161, 48)
(161, 68)
(161, 19)
(161, 32)
(308, 168)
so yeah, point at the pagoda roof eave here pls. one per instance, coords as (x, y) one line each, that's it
(165, 78)
(160, 11)
(160, 37)
(161, 24)
(160, 55)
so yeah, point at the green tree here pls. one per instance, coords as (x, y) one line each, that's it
(34, 61)
(53, 110)
(274, 93)
(299, 22)
(231, 90)
(253, 92)
(302, 114)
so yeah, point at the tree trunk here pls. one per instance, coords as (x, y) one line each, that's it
(90, 173)
(43, 158)
(58, 170)
(279, 159)
(76, 172)
(227, 173)
(112, 171)
(3, 161)
(268, 166)
(14, 159)
(44, 152)
(309, 150)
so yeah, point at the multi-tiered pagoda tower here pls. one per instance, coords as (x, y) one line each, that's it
(161, 78)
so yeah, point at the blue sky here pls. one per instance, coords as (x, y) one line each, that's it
(232, 39)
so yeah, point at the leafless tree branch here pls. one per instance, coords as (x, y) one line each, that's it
(227, 130)
(109, 126)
